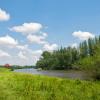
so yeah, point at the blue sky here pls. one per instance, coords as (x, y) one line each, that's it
(63, 23)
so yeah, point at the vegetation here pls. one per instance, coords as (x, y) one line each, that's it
(91, 61)
(21, 67)
(13, 67)
(60, 59)
(85, 57)
(15, 86)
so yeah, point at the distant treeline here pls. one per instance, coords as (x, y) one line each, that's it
(18, 67)
(85, 56)
(21, 67)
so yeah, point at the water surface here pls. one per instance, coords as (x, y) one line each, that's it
(56, 73)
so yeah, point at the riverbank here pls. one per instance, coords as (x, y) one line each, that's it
(18, 86)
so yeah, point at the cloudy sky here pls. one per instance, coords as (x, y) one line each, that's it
(29, 27)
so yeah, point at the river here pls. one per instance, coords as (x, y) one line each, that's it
(56, 73)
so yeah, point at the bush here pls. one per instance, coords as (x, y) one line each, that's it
(96, 70)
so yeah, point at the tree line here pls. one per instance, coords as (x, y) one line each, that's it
(85, 56)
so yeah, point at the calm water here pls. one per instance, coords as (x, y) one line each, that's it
(63, 74)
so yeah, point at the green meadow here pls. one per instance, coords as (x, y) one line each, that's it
(18, 86)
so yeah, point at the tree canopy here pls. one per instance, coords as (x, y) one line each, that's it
(86, 54)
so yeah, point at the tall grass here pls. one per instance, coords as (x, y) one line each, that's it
(15, 86)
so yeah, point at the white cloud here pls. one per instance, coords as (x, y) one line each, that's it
(36, 55)
(22, 47)
(39, 39)
(74, 45)
(45, 34)
(4, 16)
(22, 55)
(4, 54)
(32, 31)
(50, 47)
(27, 28)
(83, 35)
(28, 57)
(8, 41)
(37, 52)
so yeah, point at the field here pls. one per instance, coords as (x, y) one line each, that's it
(17, 86)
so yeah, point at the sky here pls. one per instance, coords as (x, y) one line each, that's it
(29, 27)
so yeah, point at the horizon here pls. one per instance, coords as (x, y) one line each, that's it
(27, 28)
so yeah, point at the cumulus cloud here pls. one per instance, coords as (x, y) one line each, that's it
(21, 55)
(4, 16)
(50, 47)
(37, 53)
(22, 47)
(4, 54)
(29, 57)
(83, 35)
(32, 31)
(45, 34)
(39, 39)
(27, 28)
(8, 41)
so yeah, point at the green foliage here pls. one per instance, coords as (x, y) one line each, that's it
(13, 67)
(85, 63)
(92, 61)
(2, 70)
(60, 59)
(85, 57)
(15, 86)
(83, 47)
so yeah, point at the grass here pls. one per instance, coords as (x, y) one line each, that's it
(17, 86)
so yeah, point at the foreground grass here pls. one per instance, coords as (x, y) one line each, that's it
(15, 86)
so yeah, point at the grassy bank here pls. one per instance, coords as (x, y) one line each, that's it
(15, 86)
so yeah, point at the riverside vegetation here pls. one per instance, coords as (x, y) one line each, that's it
(18, 86)
(84, 57)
